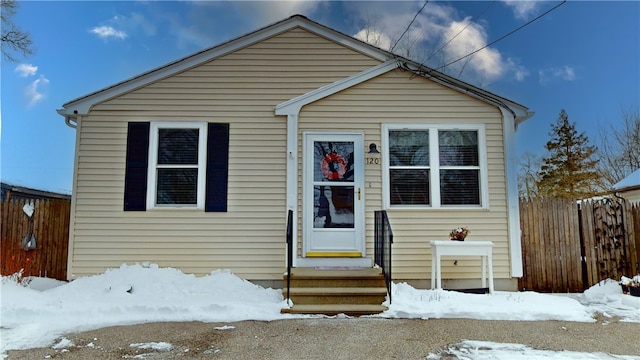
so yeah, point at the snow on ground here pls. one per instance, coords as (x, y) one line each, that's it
(44, 310)
(484, 350)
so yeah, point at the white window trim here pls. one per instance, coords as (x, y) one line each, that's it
(434, 165)
(153, 162)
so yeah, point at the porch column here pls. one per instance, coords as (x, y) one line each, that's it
(292, 173)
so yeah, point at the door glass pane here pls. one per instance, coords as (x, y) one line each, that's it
(333, 161)
(333, 206)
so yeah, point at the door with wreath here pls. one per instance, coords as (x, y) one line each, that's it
(333, 195)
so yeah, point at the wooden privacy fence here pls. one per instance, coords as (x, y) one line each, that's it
(50, 229)
(569, 245)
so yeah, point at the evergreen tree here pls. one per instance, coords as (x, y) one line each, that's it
(568, 171)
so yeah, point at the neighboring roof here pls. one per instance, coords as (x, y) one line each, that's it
(21, 192)
(82, 105)
(630, 182)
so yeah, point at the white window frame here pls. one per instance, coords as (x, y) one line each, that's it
(153, 163)
(434, 165)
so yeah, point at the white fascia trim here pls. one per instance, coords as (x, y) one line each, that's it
(513, 209)
(294, 105)
(344, 40)
(520, 117)
(520, 112)
(83, 105)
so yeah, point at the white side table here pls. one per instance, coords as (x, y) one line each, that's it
(461, 248)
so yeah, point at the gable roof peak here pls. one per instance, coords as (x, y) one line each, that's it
(82, 105)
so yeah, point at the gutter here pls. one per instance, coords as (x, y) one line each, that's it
(71, 121)
(520, 119)
(519, 112)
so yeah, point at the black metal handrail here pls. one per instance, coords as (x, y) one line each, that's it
(289, 252)
(383, 241)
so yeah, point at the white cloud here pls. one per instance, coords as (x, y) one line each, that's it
(266, 12)
(487, 62)
(136, 20)
(522, 9)
(374, 37)
(566, 73)
(34, 90)
(437, 25)
(195, 27)
(26, 70)
(107, 32)
(379, 22)
(519, 71)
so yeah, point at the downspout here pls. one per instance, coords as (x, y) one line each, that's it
(68, 120)
(513, 209)
(74, 122)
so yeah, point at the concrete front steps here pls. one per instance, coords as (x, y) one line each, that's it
(332, 291)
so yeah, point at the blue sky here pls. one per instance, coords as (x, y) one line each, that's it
(583, 57)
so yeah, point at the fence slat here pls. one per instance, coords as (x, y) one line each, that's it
(556, 232)
(51, 231)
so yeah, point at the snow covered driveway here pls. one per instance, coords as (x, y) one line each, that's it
(357, 338)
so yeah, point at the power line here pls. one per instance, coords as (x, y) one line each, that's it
(411, 23)
(504, 36)
(459, 32)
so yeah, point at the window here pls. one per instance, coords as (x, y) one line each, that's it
(409, 167)
(434, 166)
(176, 165)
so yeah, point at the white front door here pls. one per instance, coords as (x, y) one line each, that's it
(333, 191)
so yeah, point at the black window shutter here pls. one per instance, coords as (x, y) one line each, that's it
(135, 178)
(217, 168)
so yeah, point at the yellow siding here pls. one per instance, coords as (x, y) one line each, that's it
(632, 195)
(400, 97)
(241, 88)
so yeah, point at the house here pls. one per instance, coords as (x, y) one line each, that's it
(195, 164)
(629, 187)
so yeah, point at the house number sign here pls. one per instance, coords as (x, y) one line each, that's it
(372, 161)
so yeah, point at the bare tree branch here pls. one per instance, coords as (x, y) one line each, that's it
(528, 175)
(13, 39)
(620, 148)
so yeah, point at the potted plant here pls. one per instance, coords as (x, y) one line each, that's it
(630, 286)
(459, 234)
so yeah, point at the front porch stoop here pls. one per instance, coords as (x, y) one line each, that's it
(354, 292)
